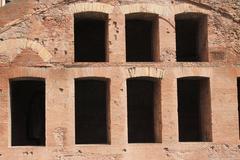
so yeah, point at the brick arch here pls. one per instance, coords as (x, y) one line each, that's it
(90, 7)
(9, 45)
(182, 8)
(91, 74)
(151, 72)
(146, 8)
(24, 72)
(160, 9)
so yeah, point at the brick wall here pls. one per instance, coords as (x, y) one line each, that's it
(45, 29)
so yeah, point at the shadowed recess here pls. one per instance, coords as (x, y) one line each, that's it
(90, 37)
(141, 37)
(191, 37)
(28, 112)
(142, 102)
(194, 110)
(91, 111)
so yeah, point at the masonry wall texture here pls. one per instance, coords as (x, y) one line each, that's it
(37, 40)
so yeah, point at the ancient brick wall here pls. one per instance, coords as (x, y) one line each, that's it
(37, 41)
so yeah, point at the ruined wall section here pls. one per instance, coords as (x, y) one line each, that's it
(228, 8)
(50, 24)
(225, 21)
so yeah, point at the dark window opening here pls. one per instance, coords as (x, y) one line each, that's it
(90, 37)
(143, 98)
(28, 112)
(191, 37)
(194, 110)
(91, 111)
(238, 93)
(141, 37)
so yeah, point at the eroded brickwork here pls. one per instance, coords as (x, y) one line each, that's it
(37, 40)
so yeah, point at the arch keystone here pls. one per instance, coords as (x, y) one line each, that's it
(152, 72)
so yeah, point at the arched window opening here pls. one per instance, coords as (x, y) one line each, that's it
(91, 111)
(144, 110)
(194, 109)
(90, 37)
(191, 37)
(27, 112)
(142, 37)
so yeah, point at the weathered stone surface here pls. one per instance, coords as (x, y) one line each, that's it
(37, 40)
